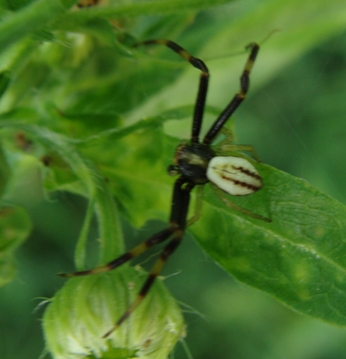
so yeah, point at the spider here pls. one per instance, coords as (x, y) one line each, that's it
(196, 163)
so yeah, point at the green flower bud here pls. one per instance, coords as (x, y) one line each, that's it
(87, 307)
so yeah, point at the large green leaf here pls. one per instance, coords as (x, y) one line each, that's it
(300, 257)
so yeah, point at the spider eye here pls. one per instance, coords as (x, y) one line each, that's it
(234, 175)
(172, 170)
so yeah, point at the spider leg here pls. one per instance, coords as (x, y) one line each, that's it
(159, 264)
(235, 207)
(227, 145)
(228, 135)
(180, 205)
(224, 148)
(134, 252)
(203, 82)
(198, 206)
(237, 99)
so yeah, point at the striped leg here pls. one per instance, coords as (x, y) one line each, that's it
(237, 99)
(159, 264)
(180, 205)
(176, 228)
(134, 252)
(203, 82)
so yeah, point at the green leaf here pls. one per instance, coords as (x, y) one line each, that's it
(141, 8)
(136, 169)
(299, 258)
(15, 227)
(93, 186)
(4, 172)
(289, 35)
(4, 81)
(27, 20)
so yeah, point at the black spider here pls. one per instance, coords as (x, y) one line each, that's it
(196, 163)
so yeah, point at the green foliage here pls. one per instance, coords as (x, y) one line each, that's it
(296, 258)
(83, 113)
(15, 226)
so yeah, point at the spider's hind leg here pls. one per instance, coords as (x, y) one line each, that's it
(232, 148)
(227, 147)
(134, 252)
(198, 206)
(180, 206)
(221, 194)
(155, 271)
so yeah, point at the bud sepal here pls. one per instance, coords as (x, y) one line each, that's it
(87, 307)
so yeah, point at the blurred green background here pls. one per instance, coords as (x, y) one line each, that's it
(294, 116)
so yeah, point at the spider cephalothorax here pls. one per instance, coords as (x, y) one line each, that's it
(196, 164)
(192, 160)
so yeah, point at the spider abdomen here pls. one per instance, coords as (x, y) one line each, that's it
(234, 175)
